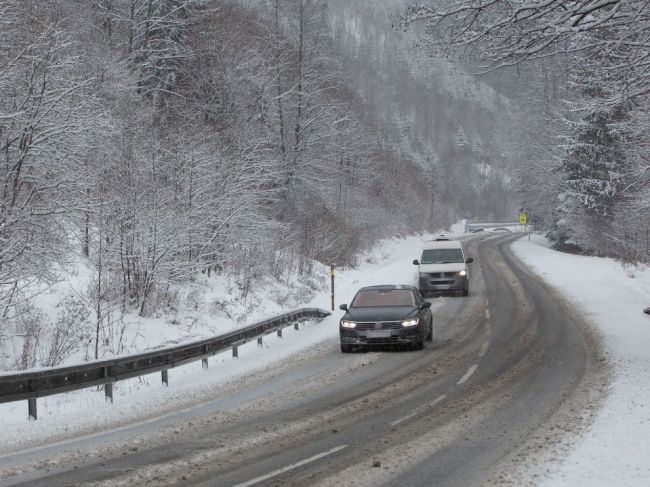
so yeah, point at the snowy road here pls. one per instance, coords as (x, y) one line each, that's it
(508, 374)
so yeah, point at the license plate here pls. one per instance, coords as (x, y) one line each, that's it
(443, 286)
(378, 334)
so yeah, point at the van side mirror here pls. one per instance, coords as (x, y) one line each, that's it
(426, 304)
(469, 260)
(416, 262)
(344, 307)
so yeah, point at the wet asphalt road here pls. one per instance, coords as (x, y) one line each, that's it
(504, 362)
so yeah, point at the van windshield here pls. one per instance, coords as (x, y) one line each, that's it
(442, 256)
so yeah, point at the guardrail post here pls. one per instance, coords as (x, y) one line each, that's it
(260, 341)
(280, 332)
(204, 363)
(165, 377)
(108, 392)
(31, 409)
(235, 351)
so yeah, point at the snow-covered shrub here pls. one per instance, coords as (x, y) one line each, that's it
(116, 331)
(70, 330)
(30, 324)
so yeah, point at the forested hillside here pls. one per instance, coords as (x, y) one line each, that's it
(431, 110)
(148, 142)
(165, 138)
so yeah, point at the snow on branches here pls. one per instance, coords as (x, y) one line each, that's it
(506, 33)
(600, 50)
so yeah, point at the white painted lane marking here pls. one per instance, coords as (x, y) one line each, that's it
(487, 313)
(468, 374)
(417, 411)
(293, 466)
(488, 328)
(484, 349)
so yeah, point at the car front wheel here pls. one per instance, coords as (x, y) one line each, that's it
(345, 348)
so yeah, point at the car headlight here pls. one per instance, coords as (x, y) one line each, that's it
(411, 322)
(462, 273)
(348, 324)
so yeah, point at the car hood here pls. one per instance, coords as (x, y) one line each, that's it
(381, 313)
(457, 267)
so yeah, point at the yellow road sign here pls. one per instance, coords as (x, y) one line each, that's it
(523, 219)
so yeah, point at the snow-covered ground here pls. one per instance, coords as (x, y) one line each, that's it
(85, 411)
(615, 450)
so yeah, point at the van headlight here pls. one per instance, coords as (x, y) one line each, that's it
(348, 324)
(462, 273)
(413, 322)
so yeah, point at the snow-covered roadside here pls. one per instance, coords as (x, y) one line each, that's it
(85, 411)
(615, 449)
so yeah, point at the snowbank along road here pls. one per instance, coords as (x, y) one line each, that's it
(510, 371)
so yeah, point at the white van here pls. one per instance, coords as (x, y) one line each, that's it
(443, 267)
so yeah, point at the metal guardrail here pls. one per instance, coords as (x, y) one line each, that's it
(469, 227)
(33, 384)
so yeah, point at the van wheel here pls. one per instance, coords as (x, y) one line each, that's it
(419, 345)
(465, 292)
(345, 348)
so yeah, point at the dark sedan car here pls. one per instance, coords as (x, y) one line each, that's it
(386, 315)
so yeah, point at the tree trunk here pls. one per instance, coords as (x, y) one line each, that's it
(98, 307)
(278, 68)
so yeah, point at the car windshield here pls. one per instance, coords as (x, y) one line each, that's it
(442, 256)
(383, 297)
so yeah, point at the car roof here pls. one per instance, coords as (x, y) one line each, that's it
(442, 244)
(388, 287)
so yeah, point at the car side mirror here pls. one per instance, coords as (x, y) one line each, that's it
(416, 262)
(344, 307)
(469, 260)
(426, 304)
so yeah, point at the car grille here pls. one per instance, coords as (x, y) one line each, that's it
(442, 274)
(384, 325)
(384, 341)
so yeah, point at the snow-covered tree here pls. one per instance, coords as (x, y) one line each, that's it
(594, 166)
(46, 118)
(505, 33)
(156, 43)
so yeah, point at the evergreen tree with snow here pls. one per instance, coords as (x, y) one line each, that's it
(594, 161)
(157, 44)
